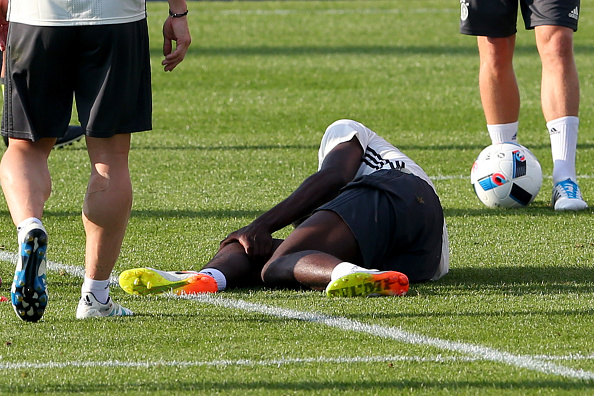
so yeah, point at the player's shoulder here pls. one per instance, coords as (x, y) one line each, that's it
(347, 128)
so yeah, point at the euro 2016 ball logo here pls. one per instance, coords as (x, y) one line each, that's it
(506, 175)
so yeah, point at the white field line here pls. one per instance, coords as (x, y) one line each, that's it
(476, 351)
(255, 363)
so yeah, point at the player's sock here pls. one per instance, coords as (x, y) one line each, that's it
(346, 268)
(99, 288)
(26, 222)
(217, 275)
(501, 133)
(563, 133)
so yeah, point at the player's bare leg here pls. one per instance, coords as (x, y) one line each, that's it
(560, 87)
(498, 87)
(238, 268)
(560, 97)
(322, 253)
(25, 177)
(497, 80)
(106, 211)
(26, 184)
(310, 253)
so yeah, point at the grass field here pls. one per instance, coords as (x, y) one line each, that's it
(236, 128)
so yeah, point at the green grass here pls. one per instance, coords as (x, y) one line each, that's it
(236, 128)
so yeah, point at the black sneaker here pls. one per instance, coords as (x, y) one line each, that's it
(73, 134)
(29, 286)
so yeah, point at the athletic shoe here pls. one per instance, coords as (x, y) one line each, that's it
(365, 284)
(567, 196)
(73, 134)
(89, 307)
(143, 281)
(29, 286)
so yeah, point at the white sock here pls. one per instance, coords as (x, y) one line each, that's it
(217, 275)
(99, 288)
(26, 222)
(346, 268)
(563, 133)
(501, 133)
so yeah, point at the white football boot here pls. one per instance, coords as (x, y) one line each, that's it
(89, 307)
(567, 196)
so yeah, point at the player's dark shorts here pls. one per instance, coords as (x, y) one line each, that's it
(498, 18)
(105, 67)
(397, 221)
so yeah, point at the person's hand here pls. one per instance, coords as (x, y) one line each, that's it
(175, 29)
(256, 241)
(3, 24)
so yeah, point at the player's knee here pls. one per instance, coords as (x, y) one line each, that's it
(277, 273)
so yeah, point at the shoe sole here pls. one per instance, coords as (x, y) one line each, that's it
(72, 130)
(569, 204)
(144, 281)
(390, 283)
(29, 290)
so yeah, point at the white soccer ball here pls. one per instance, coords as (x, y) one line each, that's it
(506, 175)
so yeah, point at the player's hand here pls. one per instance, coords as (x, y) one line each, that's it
(3, 24)
(256, 242)
(175, 29)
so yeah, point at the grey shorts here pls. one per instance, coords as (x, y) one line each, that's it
(105, 68)
(397, 220)
(498, 18)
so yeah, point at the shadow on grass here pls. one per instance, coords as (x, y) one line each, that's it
(536, 209)
(522, 280)
(446, 49)
(404, 147)
(286, 385)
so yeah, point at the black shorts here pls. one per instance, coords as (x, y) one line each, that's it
(106, 68)
(397, 220)
(498, 18)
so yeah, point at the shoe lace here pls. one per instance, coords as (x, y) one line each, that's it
(569, 189)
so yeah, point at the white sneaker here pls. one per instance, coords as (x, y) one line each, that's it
(567, 196)
(89, 307)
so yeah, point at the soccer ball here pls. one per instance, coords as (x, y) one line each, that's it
(506, 175)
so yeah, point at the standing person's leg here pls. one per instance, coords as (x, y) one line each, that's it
(113, 93)
(106, 210)
(25, 178)
(499, 91)
(35, 107)
(560, 97)
(26, 184)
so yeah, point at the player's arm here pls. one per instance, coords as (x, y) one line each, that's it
(339, 168)
(175, 29)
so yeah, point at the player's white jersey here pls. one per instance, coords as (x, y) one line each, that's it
(75, 12)
(379, 154)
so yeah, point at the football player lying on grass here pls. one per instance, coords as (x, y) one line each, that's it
(373, 222)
